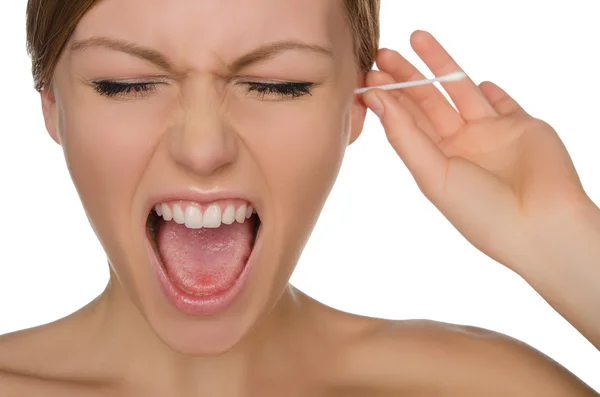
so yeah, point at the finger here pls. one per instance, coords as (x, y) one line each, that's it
(503, 103)
(466, 95)
(375, 78)
(420, 154)
(434, 105)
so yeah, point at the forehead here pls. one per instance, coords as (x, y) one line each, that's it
(223, 27)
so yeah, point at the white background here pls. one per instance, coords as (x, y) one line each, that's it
(380, 248)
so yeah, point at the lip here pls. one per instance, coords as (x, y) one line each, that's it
(202, 305)
(198, 196)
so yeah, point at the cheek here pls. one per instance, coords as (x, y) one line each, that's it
(300, 145)
(107, 148)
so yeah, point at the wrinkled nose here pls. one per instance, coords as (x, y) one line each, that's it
(204, 141)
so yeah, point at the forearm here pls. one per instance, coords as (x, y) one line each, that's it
(566, 270)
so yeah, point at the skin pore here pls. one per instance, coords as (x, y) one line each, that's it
(205, 119)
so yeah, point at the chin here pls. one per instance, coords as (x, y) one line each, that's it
(205, 335)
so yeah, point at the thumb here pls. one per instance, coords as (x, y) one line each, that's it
(425, 161)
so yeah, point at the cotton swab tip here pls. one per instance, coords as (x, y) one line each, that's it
(455, 76)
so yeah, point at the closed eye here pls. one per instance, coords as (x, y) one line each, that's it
(111, 89)
(281, 90)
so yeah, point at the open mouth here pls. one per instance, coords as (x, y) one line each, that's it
(202, 261)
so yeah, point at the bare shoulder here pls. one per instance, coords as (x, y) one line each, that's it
(44, 361)
(21, 350)
(447, 359)
(20, 372)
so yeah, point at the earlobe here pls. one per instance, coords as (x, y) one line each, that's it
(49, 110)
(359, 112)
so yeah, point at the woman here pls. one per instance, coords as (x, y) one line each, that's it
(171, 150)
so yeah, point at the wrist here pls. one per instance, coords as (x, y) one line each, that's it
(563, 266)
(563, 245)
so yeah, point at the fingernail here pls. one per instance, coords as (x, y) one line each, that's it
(374, 103)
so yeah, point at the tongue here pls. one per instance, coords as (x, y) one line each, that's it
(205, 261)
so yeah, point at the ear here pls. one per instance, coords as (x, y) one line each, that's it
(359, 110)
(50, 112)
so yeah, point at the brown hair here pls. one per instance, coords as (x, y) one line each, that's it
(50, 24)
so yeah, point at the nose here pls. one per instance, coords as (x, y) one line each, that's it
(203, 142)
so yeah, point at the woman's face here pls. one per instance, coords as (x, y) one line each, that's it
(206, 126)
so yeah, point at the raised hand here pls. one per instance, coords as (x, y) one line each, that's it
(499, 175)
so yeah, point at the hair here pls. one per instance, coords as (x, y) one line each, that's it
(50, 24)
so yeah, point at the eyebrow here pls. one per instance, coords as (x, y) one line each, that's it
(256, 55)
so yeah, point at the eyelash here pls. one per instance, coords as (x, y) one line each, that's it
(284, 90)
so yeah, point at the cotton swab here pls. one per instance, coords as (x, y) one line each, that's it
(455, 76)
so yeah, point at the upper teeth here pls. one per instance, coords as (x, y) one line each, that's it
(196, 216)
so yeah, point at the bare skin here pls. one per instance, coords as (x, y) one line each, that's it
(200, 130)
(311, 350)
